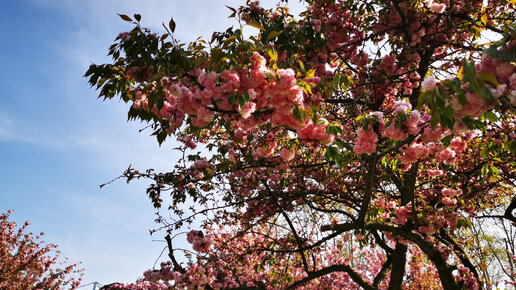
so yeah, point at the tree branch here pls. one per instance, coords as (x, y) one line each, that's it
(437, 258)
(177, 267)
(369, 179)
(335, 268)
(398, 266)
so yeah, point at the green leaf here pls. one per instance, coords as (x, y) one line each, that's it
(339, 144)
(138, 17)
(447, 118)
(302, 115)
(306, 87)
(301, 65)
(491, 116)
(295, 112)
(421, 99)
(488, 77)
(462, 98)
(332, 153)
(446, 140)
(333, 129)
(272, 53)
(229, 40)
(172, 25)
(232, 98)
(242, 100)
(508, 55)
(464, 223)
(436, 117)
(310, 74)
(492, 51)
(125, 17)
(273, 34)
(483, 19)
(439, 99)
(101, 82)
(494, 171)
(231, 8)
(484, 169)
(161, 136)
(512, 146)
(156, 76)
(460, 73)
(255, 25)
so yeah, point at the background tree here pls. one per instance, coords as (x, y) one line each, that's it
(27, 263)
(495, 250)
(348, 147)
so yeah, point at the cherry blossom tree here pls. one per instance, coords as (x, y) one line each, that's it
(27, 263)
(348, 147)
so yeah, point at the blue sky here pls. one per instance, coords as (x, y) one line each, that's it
(58, 142)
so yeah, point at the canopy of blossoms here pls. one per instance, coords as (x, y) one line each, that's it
(349, 147)
(26, 262)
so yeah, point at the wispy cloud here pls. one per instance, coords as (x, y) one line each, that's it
(99, 23)
(13, 129)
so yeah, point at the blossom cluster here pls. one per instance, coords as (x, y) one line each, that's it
(199, 242)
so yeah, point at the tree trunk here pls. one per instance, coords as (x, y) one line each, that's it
(398, 266)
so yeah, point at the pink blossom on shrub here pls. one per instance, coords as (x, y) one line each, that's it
(451, 192)
(200, 243)
(365, 141)
(435, 172)
(429, 83)
(402, 106)
(247, 110)
(402, 214)
(287, 155)
(394, 133)
(446, 155)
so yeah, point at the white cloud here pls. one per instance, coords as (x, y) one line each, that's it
(99, 24)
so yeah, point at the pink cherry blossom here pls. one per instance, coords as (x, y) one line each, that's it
(429, 83)
(287, 155)
(365, 141)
